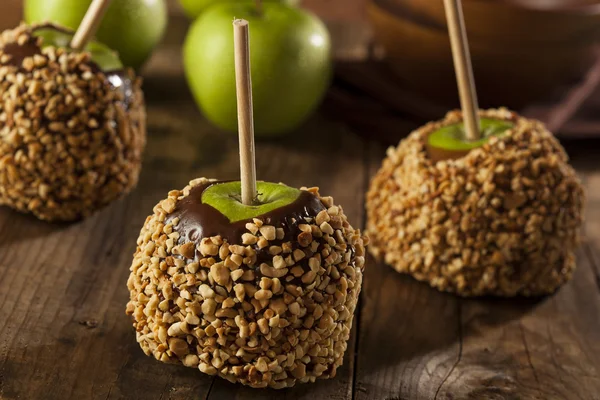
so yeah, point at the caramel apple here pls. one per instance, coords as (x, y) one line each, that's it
(266, 300)
(503, 219)
(72, 122)
(255, 282)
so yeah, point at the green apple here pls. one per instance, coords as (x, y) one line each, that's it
(290, 61)
(131, 27)
(104, 57)
(193, 8)
(451, 142)
(226, 198)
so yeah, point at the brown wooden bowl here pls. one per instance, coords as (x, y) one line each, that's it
(517, 21)
(505, 75)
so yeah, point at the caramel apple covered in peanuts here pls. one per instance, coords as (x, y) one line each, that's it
(501, 219)
(480, 203)
(72, 124)
(256, 282)
(265, 301)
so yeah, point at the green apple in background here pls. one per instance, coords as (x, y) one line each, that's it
(290, 54)
(131, 27)
(193, 8)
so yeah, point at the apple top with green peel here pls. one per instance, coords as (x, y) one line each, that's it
(450, 142)
(215, 208)
(102, 58)
(225, 197)
(101, 55)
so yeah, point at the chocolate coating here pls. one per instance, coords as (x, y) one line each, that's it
(18, 52)
(198, 220)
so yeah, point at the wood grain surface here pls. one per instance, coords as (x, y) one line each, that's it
(64, 333)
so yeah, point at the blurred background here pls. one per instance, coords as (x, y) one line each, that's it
(393, 68)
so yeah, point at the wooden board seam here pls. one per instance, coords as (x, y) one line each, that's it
(366, 182)
(527, 352)
(460, 348)
(210, 388)
(589, 253)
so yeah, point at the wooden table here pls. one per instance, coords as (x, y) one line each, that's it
(64, 333)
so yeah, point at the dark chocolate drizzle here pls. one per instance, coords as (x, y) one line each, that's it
(118, 79)
(198, 220)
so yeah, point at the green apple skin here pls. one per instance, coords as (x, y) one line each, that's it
(193, 8)
(131, 27)
(290, 55)
(454, 137)
(104, 57)
(226, 198)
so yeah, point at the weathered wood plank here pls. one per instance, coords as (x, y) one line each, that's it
(408, 340)
(592, 233)
(409, 333)
(584, 158)
(531, 349)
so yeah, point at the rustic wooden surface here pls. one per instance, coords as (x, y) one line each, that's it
(64, 333)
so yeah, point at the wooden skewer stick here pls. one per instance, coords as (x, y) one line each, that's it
(89, 24)
(463, 67)
(243, 82)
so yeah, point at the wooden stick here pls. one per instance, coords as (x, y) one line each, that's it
(463, 67)
(243, 82)
(89, 24)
